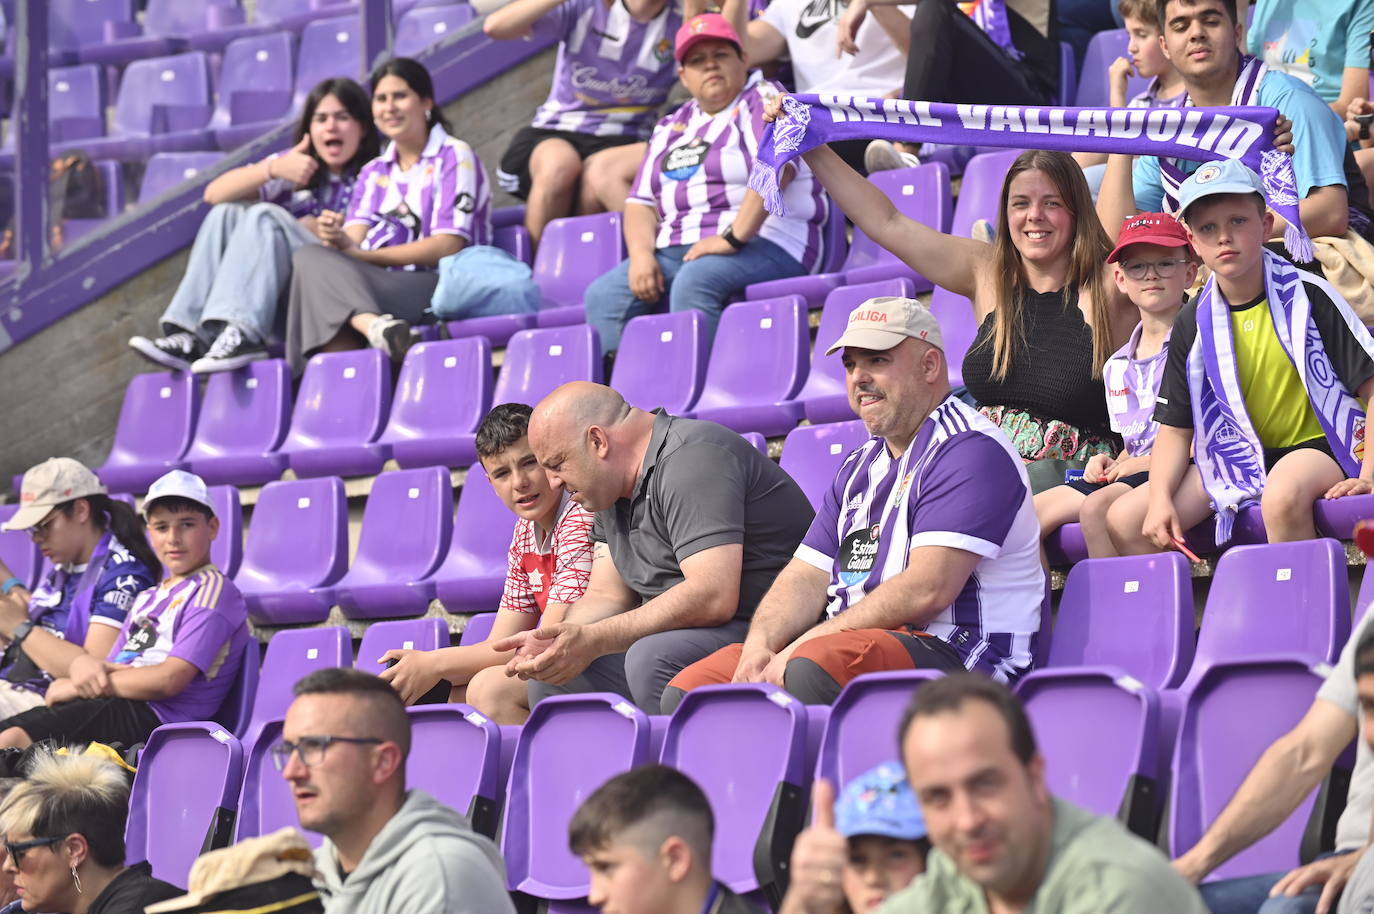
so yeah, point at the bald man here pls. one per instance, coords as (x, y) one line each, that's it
(692, 525)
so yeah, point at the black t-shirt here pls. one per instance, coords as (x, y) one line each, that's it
(1352, 364)
(132, 891)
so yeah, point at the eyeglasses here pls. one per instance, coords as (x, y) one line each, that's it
(1163, 268)
(311, 748)
(39, 531)
(17, 851)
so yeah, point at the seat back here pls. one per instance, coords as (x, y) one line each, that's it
(455, 757)
(574, 251)
(163, 94)
(835, 240)
(1068, 74)
(958, 326)
(226, 551)
(980, 193)
(245, 412)
(265, 803)
(291, 654)
(156, 423)
(862, 730)
(180, 18)
(419, 28)
(1284, 598)
(235, 714)
(662, 361)
(299, 535)
(478, 629)
(515, 241)
(166, 170)
(344, 398)
(921, 193)
(184, 797)
(826, 375)
(76, 104)
(444, 389)
(758, 807)
(255, 79)
(329, 47)
(569, 746)
(539, 360)
(18, 550)
(1094, 87)
(482, 529)
(759, 354)
(399, 634)
(74, 24)
(1134, 613)
(812, 454)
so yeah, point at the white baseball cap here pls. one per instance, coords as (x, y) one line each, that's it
(881, 323)
(53, 482)
(178, 484)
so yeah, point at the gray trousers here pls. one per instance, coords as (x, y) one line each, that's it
(642, 673)
(239, 269)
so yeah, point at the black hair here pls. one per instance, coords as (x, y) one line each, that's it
(1162, 7)
(1364, 654)
(417, 77)
(124, 524)
(628, 799)
(375, 691)
(949, 693)
(502, 427)
(176, 504)
(356, 102)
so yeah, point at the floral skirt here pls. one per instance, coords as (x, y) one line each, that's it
(1037, 438)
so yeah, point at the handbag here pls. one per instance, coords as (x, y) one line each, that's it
(481, 281)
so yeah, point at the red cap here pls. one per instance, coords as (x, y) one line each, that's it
(1149, 228)
(706, 27)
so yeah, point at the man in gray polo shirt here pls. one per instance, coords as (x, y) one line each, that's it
(692, 526)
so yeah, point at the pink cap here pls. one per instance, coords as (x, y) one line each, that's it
(707, 26)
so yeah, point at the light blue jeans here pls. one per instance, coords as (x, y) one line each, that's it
(1250, 895)
(240, 267)
(704, 284)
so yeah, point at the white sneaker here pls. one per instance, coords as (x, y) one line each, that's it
(391, 335)
(882, 155)
(175, 350)
(232, 349)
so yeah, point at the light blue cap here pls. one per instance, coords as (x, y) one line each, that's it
(880, 802)
(1227, 176)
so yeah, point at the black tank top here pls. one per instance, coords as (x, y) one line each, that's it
(1051, 372)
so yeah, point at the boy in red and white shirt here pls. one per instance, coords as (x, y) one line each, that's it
(550, 562)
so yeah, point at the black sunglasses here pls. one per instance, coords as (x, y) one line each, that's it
(17, 851)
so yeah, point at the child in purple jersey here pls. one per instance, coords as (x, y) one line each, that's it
(225, 308)
(178, 652)
(614, 72)
(424, 198)
(1154, 267)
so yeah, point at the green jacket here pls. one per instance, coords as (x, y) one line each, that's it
(1095, 867)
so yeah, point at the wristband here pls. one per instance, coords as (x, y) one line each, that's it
(729, 236)
(9, 585)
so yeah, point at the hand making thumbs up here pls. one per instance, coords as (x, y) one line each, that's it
(818, 859)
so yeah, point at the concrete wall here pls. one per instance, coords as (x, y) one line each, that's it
(61, 390)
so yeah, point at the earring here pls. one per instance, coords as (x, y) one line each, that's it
(77, 880)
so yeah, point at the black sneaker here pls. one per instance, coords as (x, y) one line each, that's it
(175, 351)
(231, 349)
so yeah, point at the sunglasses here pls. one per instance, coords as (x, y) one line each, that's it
(17, 851)
(311, 748)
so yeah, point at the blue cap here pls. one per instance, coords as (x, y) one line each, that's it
(880, 802)
(1227, 176)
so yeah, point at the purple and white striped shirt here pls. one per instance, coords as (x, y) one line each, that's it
(444, 193)
(1132, 387)
(960, 484)
(696, 172)
(613, 72)
(333, 194)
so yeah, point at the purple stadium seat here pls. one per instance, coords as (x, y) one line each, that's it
(539, 360)
(980, 193)
(399, 634)
(503, 216)
(170, 169)
(572, 253)
(291, 654)
(570, 745)
(75, 24)
(1220, 737)
(243, 419)
(1134, 613)
(760, 806)
(662, 361)
(329, 47)
(758, 363)
(812, 454)
(297, 547)
(478, 629)
(184, 797)
(227, 549)
(1068, 74)
(759, 442)
(1337, 517)
(18, 551)
(515, 241)
(254, 87)
(823, 396)
(474, 572)
(76, 104)
(1115, 772)
(420, 28)
(166, 24)
(1093, 86)
(405, 535)
(341, 408)
(163, 105)
(958, 326)
(455, 757)
(862, 729)
(154, 430)
(266, 804)
(442, 394)
(921, 193)
(235, 714)
(1066, 545)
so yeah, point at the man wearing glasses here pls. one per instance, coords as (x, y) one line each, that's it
(343, 751)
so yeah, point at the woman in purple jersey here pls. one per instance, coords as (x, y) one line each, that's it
(424, 198)
(226, 306)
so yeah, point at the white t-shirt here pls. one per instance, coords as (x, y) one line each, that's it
(809, 27)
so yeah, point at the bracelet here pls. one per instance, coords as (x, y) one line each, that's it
(9, 584)
(268, 163)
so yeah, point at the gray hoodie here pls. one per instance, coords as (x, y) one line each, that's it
(426, 860)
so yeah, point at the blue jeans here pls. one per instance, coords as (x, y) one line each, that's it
(703, 284)
(239, 268)
(1250, 895)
